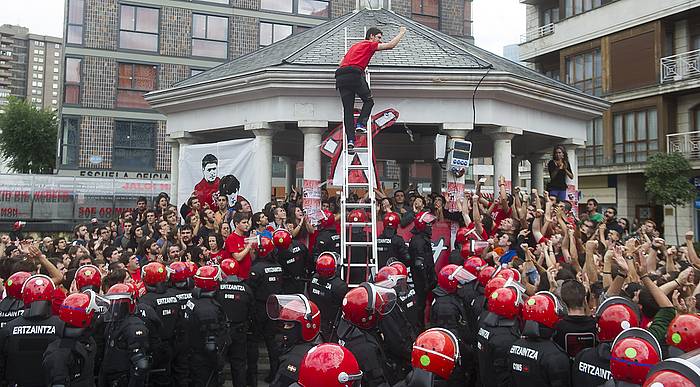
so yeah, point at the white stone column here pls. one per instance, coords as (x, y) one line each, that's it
(502, 153)
(404, 171)
(290, 173)
(537, 172)
(571, 145)
(263, 163)
(176, 139)
(312, 130)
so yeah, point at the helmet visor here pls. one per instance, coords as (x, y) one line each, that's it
(281, 307)
(561, 309)
(519, 289)
(462, 276)
(119, 307)
(397, 282)
(383, 299)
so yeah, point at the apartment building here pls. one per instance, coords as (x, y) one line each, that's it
(35, 66)
(118, 50)
(643, 56)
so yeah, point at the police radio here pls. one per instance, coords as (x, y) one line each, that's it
(459, 157)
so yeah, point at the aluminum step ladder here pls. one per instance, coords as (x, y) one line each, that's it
(353, 271)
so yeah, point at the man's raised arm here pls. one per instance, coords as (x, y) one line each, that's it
(393, 42)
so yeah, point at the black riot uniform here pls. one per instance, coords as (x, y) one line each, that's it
(70, 360)
(422, 378)
(10, 308)
(296, 265)
(390, 245)
(327, 294)
(164, 302)
(180, 365)
(448, 311)
(472, 294)
(22, 344)
(495, 337)
(422, 266)
(326, 240)
(536, 361)
(238, 302)
(592, 366)
(367, 350)
(208, 338)
(399, 330)
(125, 361)
(265, 279)
(290, 359)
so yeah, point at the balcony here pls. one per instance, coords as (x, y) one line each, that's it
(679, 67)
(536, 33)
(688, 144)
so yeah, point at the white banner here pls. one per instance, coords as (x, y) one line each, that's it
(207, 169)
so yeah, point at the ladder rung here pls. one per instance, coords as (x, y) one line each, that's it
(357, 167)
(360, 185)
(358, 224)
(359, 205)
(357, 265)
(358, 243)
(360, 149)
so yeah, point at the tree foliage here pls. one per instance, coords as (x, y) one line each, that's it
(668, 177)
(28, 137)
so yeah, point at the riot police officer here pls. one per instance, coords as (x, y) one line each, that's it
(24, 339)
(470, 295)
(166, 305)
(299, 322)
(12, 306)
(181, 280)
(265, 279)
(633, 353)
(329, 365)
(208, 329)
(363, 307)
(126, 361)
(70, 360)
(238, 302)
(88, 277)
(422, 264)
(535, 359)
(434, 357)
(327, 290)
(390, 244)
(327, 238)
(295, 260)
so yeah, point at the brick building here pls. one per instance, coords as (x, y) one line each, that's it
(115, 51)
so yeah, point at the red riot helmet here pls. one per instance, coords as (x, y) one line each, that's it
(452, 277)
(423, 220)
(88, 277)
(681, 371)
(508, 273)
(507, 301)
(493, 284)
(684, 332)
(265, 246)
(154, 273)
(385, 273)
(543, 308)
(485, 274)
(615, 315)
(391, 220)
(207, 278)
(179, 272)
(398, 265)
(230, 266)
(326, 264)
(14, 283)
(191, 269)
(474, 265)
(364, 305)
(282, 238)
(357, 215)
(329, 365)
(138, 288)
(437, 351)
(37, 288)
(633, 353)
(295, 308)
(327, 219)
(461, 236)
(78, 309)
(122, 302)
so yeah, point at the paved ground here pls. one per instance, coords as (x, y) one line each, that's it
(263, 368)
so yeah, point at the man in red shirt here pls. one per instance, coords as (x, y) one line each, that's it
(236, 246)
(350, 80)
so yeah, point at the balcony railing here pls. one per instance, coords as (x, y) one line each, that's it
(688, 144)
(536, 33)
(681, 66)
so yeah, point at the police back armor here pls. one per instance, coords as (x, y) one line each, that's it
(591, 366)
(166, 306)
(328, 295)
(288, 371)
(326, 240)
(390, 245)
(367, 350)
(10, 309)
(538, 362)
(495, 337)
(126, 348)
(296, 266)
(70, 360)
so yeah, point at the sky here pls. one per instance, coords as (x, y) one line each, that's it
(496, 22)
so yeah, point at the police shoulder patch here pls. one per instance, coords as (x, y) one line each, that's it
(291, 368)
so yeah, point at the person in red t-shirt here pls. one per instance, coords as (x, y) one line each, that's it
(350, 80)
(236, 246)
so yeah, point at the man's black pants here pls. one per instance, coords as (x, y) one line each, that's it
(350, 82)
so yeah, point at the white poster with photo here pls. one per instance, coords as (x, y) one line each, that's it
(208, 169)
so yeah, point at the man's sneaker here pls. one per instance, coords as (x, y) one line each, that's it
(361, 129)
(351, 147)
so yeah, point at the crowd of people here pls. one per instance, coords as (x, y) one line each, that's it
(532, 294)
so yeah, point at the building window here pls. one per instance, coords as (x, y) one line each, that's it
(209, 36)
(55, 77)
(134, 145)
(635, 135)
(56, 54)
(54, 94)
(313, 8)
(593, 153)
(550, 15)
(76, 12)
(55, 62)
(576, 7)
(38, 43)
(71, 92)
(318, 8)
(427, 12)
(70, 141)
(57, 46)
(277, 5)
(55, 69)
(272, 33)
(138, 28)
(585, 72)
(134, 81)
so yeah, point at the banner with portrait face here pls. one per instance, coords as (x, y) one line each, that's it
(223, 169)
